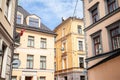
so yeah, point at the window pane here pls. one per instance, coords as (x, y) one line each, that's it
(14, 78)
(34, 22)
(30, 41)
(80, 44)
(30, 61)
(43, 62)
(43, 43)
(18, 19)
(42, 78)
(79, 29)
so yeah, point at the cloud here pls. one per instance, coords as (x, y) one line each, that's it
(52, 10)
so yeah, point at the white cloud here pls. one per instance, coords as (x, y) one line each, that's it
(52, 9)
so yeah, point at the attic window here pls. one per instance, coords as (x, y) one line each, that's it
(33, 22)
(19, 19)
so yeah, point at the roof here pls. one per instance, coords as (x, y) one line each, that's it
(42, 28)
(70, 18)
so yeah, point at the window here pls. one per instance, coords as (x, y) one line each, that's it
(15, 56)
(14, 77)
(111, 5)
(94, 13)
(29, 61)
(65, 78)
(97, 45)
(33, 22)
(30, 41)
(79, 29)
(42, 62)
(19, 19)
(115, 38)
(81, 62)
(43, 43)
(42, 78)
(80, 44)
(63, 46)
(3, 49)
(82, 77)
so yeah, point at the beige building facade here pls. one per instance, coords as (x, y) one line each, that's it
(35, 51)
(70, 50)
(7, 19)
(102, 31)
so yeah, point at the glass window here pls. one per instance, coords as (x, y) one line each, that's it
(80, 45)
(81, 62)
(30, 61)
(82, 77)
(16, 56)
(97, 45)
(43, 42)
(42, 62)
(19, 19)
(79, 29)
(115, 37)
(42, 78)
(111, 4)
(30, 41)
(14, 77)
(94, 14)
(33, 22)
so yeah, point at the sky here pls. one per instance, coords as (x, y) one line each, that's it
(52, 11)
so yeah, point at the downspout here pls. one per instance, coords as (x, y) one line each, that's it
(84, 19)
(14, 32)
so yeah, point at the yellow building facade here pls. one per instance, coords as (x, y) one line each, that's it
(102, 29)
(7, 19)
(35, 51)
(70, 50)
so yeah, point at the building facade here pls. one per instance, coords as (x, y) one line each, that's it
(7, 19)
(70, 50)
(35, 51)
(102, 30)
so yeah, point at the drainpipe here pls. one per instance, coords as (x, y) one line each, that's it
(86, 72)
(14, 32)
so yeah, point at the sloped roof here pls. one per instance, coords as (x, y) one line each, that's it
(43, 28)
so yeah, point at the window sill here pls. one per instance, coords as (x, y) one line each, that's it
(30, 46)
(43, 48)
(42, 68)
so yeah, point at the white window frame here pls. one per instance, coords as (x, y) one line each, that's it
(83, 44)
(18, 13)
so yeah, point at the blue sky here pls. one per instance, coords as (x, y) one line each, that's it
(51, 11)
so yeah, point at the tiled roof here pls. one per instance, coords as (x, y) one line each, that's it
(42, 27)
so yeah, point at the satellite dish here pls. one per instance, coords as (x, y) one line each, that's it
(16, 63)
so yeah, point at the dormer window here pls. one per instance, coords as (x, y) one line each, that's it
(19, 17)
(33, 22)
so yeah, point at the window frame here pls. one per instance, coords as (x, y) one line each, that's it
(14, 77)
(81, 62)
(43, 77)
(31, 39)
(93, 36)
(33, 22)
(29, 60)
(112, 37)
(43, 61)
(80, 45)
(20, 18)
(79, 29)
(93, 8)
(113, 3)
(43, 43)
(82, 77)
